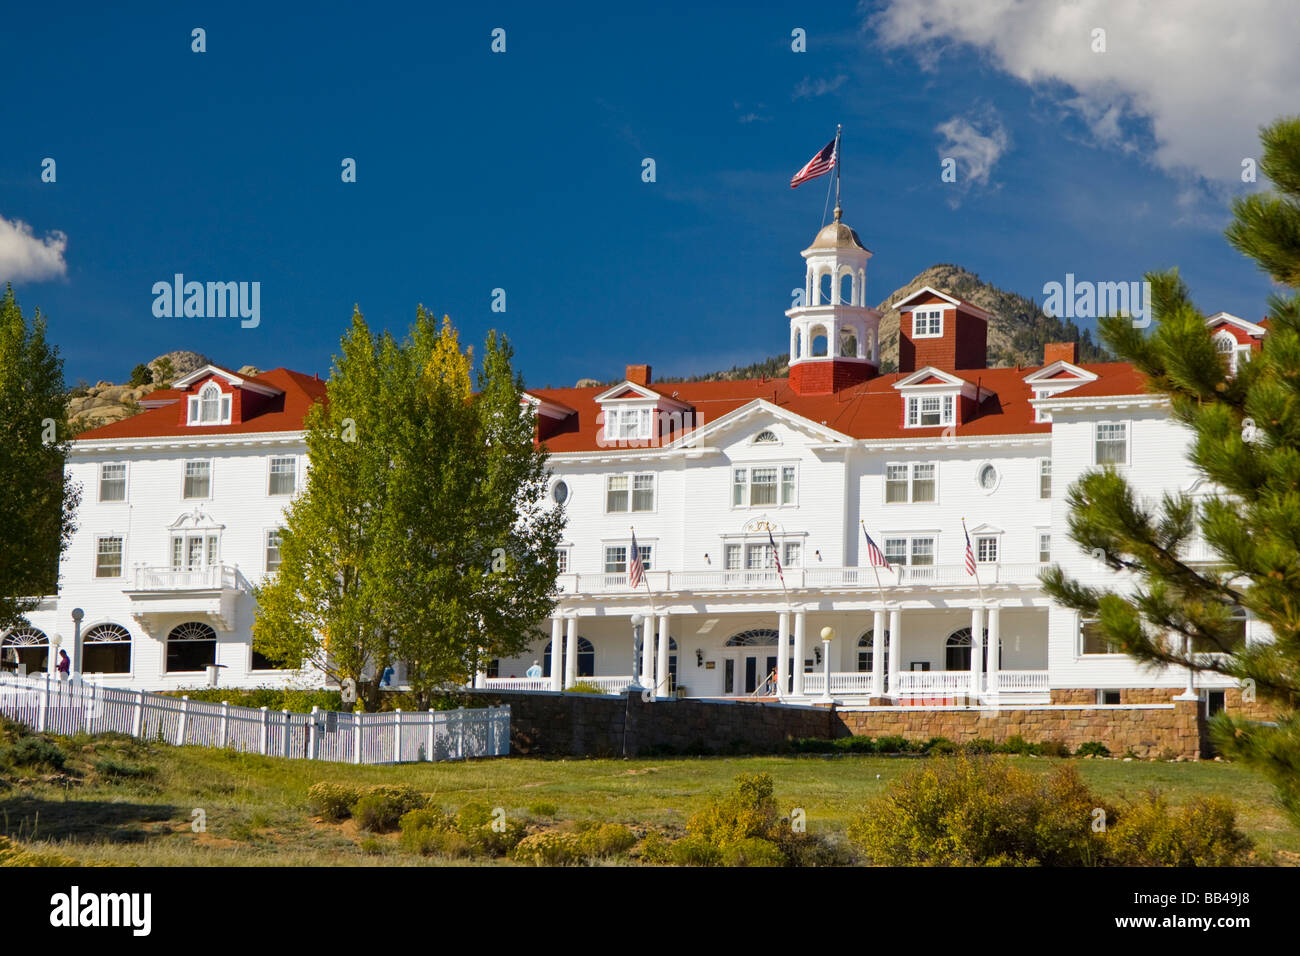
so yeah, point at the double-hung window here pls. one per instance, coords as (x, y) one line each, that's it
(284, 476)
(1044, 477)
(1112, 443)
(198, 479)
(917, 550)
(273, 550)
(986, 549)
(927, 411)
(616, 557)
(764, 486)
(108, 557)
(112, 481)
(915, 482)
(630, 493)
(1044, 547)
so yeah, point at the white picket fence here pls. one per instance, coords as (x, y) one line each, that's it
(70, 707)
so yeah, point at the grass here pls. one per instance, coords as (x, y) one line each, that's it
(138, 807)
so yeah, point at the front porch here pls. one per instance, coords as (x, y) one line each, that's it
(922, 653)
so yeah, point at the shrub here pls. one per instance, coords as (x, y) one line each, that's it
(1054, 748)
(608, 839)
(695, 851)
(543, 809)
(486, 832)
(115, 769)
(425, 818)
(372, 846)
(34, 752)
(1202, 833)
(895, 744)
(548, 849)
(433, 840)
(1092, 748)
(937, 746)
(656, 848)
(750, 811)
(979, 745)
(14, 854)
(583, 687)
(332, 801)
(978, 811)
(380, 808)
(753, 851)
(1015, 744)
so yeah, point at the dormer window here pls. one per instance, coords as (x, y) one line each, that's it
(209, 407)
(928, 411)
(629, 424)
(927, 323)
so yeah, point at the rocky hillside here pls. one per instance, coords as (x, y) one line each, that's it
(90, 406)
(1017, 334)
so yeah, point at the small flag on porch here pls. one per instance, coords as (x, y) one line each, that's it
(819, 165)
(875, 555)
(970, 554)
(635, 567)
(776, 556)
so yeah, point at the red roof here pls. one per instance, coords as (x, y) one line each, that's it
(283, 413)
(872, 410)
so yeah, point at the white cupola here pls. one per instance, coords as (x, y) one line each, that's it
(834, 334)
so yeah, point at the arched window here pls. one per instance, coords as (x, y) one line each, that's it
(798, 344)
(191, 646)
(823, 289)
(820, 340)
(957, 650)
(756, 637)
(107, 650)
(766, 437)
(866, 650)
(586, 659)
(846, 288)
(26, 646)
(210, 403)
(848, 343)
(1226, 346)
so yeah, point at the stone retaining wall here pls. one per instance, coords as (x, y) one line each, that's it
(607, 726)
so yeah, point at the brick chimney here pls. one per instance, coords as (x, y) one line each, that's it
(1061, 352)
(638, 374)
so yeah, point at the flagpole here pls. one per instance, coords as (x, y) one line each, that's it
(838, 161)
(875, 569)
(653, 624)
(978, 587)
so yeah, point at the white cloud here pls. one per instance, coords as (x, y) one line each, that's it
(1186, 83)
(976, 144)
(808, 87)
(24, 256)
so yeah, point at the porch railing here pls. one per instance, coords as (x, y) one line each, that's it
(857, 683)
(609, 685)
(933, 575)
(933, 684)
(212, 578)
(1022, 682)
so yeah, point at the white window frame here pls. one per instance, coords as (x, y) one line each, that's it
(121, 553)
(641, 418)
(647, 549)
(126, 474)
(913, 409)
(266, 550)
(563, 563)
(911, 538)
(185, 478)
(910, 482)
(1044, 536)
(1080, 621)
(987, 548)
(779, 488)
(195, 406)
(270, 464)
(631, 490)
(930, 313)
(1045, 473)
(1128, 438)
(997, 477)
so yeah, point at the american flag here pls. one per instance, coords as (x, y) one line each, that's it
(819, 165)
(635, 567)
(776, 556)
(970, 555)
(874, 554)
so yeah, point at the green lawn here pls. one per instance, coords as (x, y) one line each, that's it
(257, 813)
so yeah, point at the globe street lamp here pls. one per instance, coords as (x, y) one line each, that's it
(828, 635)
(637, 621)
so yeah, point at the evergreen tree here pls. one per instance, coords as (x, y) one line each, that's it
(1245, 439)
(37, 500)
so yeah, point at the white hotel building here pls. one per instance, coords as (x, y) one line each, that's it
(181, 504)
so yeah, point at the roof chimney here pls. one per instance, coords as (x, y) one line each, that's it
(638, 374)
(1061, 352)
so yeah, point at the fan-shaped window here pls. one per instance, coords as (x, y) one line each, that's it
(191, 646)
(756, 637)
(586, 659)
(27, 647)
(1226, 346)
(866, 650)
(107, 650)
(766, 437)
(957, 650)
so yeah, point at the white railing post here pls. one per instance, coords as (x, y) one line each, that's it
(266, 731)
(356, 738)
(225, 723)
(284, 744)
(311, 733)
(397, 736)
(43, 715)
(492, 722)
(460, 734)
(137, 719)
(433, 722)
(185, 715)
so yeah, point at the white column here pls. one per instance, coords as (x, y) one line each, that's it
(976, 652)
(557, 653)
(895, 648)
(782, 652)
(648, 651)
(571, 653)
(878, 653)
(661, 666)
(800, 649)
(995, 650)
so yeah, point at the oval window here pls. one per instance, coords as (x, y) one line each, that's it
(560, 492)
(988, 477)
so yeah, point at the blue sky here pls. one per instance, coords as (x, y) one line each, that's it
(522, 170)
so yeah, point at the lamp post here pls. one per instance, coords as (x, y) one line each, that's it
(637, 621)
(77, 615)
(56, 642)
(828, 635)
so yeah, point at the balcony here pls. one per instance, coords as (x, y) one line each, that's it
(207, 594)
(852, 579)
